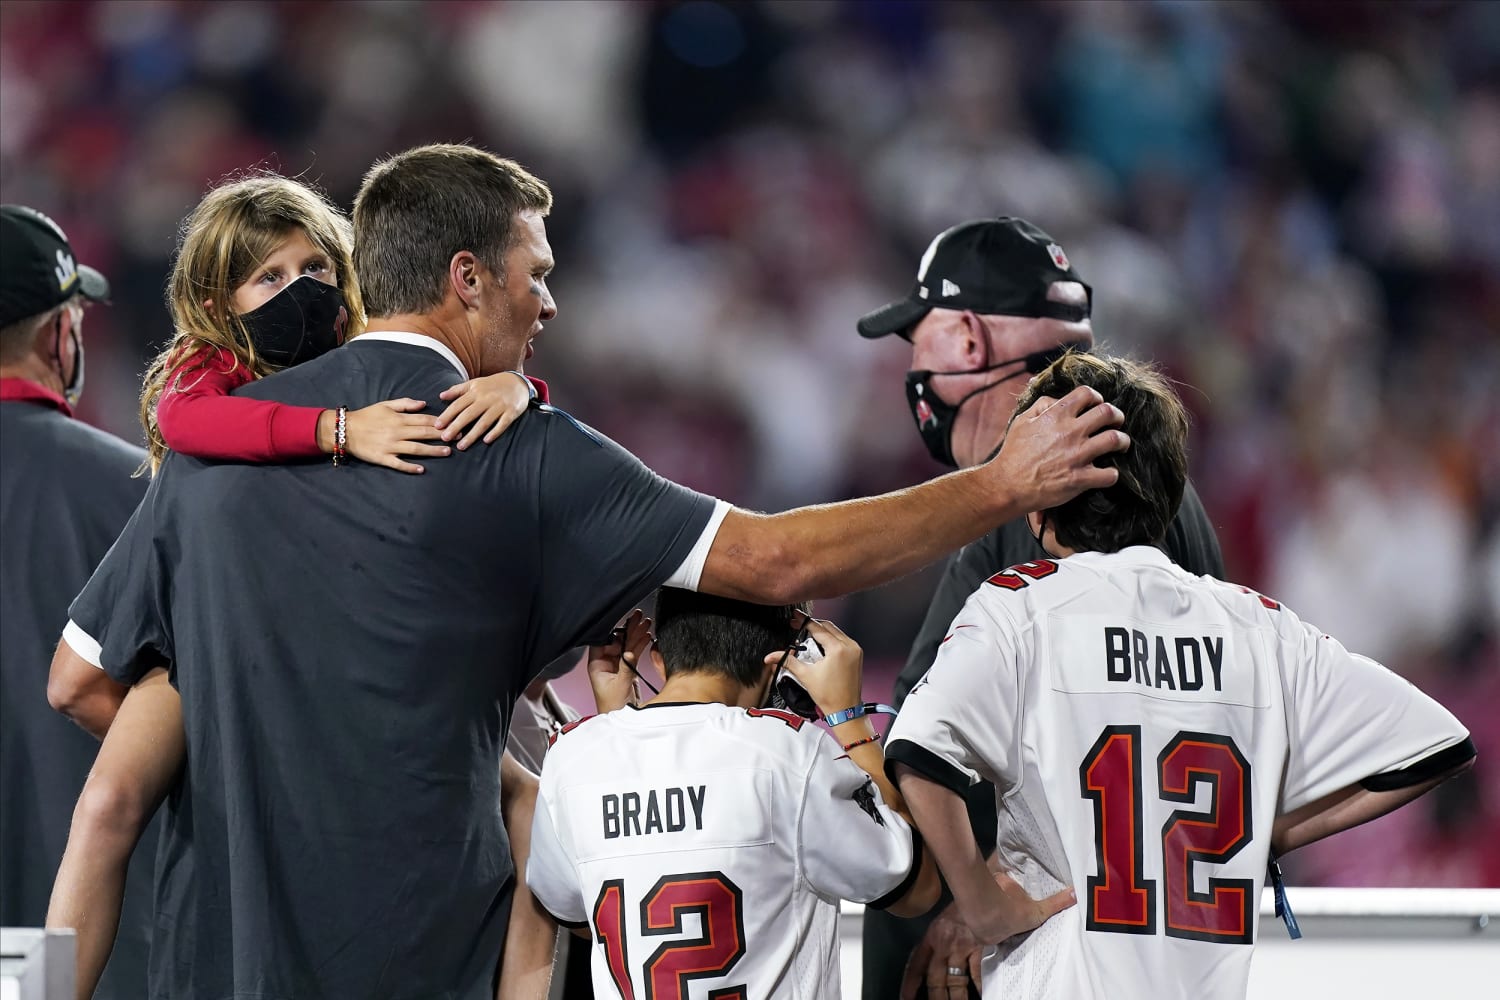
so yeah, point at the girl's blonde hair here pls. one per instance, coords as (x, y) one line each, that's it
(235, 227)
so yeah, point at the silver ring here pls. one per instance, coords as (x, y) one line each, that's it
(956, 971)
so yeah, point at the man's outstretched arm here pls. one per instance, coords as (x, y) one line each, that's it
(833, 549)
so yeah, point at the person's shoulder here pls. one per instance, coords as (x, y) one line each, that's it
(783, 736)
(1020, 588)
(83, 442)
(571, 727)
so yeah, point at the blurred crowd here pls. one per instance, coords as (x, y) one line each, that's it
(1294, 207)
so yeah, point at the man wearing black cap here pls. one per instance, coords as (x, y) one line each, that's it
(65, 493)
(995, 302)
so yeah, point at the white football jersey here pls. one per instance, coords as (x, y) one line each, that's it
(707, 848)
(1143, 728)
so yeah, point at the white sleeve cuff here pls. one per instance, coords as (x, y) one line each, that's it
(691, 570)
(83, 644)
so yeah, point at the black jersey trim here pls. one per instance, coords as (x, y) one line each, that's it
(926, 763)
(1427, 768)
(894, 896)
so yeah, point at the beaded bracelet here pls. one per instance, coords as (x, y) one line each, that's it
(860, 743)
(340, 433)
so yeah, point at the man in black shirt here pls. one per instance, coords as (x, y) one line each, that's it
(65, 492)
(349, 644)
(995, 302)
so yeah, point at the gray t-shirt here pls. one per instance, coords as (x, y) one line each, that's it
(349, 643)
(65, 492)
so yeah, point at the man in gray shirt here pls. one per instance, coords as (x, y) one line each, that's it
(348, 644)
(65, 492)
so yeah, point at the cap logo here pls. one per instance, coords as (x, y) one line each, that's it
(1058, 257)
(928, 255)
(949, 289)
(923, 412)
(922, 292)
(66, 271)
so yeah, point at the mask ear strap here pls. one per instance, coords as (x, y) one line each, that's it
(1041, 533)
(57, 350)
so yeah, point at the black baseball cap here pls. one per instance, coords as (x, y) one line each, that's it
(1002, 265)
(37, 267)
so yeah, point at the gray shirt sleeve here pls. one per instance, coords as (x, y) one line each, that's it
(612, 531)
(123, 607)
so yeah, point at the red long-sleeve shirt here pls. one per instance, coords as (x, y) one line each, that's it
(198, 417)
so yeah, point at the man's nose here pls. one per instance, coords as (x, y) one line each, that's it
(549, 307)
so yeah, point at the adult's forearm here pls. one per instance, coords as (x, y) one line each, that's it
(832, 549)
(812, 552)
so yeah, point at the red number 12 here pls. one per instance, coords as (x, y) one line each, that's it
(1120, 899)
(675, 964)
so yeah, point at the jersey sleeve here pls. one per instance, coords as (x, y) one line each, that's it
(1350, 720)
(850, 844)
(612, 531)
(960, 723)
(197, 415)
(550, 872)
(119, 621)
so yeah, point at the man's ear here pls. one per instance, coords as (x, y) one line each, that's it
(976, 340)
(463, 277)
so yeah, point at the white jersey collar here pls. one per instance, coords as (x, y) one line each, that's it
(419, 339)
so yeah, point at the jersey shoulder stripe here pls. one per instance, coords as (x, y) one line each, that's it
(565, 730)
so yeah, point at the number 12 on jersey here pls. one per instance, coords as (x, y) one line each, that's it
(672, 966)
(1120, 899)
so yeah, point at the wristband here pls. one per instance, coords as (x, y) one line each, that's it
(340, 433)
(859, 743)
(529, 387)
(858, 712)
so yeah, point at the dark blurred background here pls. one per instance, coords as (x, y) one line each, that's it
(1292, 206)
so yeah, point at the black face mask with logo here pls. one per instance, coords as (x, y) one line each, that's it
(304, 320)
(935, 417)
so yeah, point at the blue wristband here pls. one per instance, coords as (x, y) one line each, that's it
(847, 715)
(859, 712)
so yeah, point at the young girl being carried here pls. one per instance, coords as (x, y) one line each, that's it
(263, 280)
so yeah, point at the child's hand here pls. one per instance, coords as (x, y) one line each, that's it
(612, 668)
(835, 682)
(491, 403)
(381, 433)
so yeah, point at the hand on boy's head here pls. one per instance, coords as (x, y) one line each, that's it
(835, 682)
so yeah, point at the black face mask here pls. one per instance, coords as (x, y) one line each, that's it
(304, 320)
(935, 417)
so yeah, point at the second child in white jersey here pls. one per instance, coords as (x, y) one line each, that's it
(1155, 737)
(705, 842)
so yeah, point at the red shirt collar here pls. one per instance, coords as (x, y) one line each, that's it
(23, 390)
(540, 387)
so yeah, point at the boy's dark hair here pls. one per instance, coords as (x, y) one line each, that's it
(1140, 506)
(718, 634)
